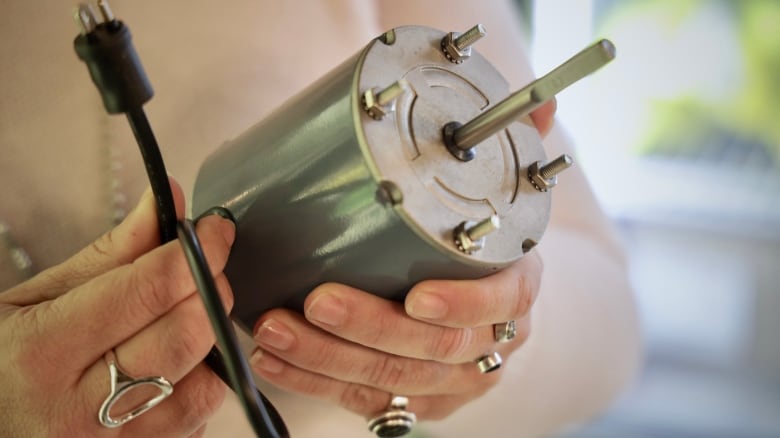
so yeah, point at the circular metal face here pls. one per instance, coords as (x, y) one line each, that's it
(441, 191)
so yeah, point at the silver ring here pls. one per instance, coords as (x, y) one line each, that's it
(489, 363)
(121, 384)
(395, 421)
(505, 331)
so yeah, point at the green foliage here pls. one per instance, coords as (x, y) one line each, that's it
(685, 124)
(757, 111)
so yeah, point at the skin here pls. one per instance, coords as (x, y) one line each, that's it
(122, 292)
(357, 350)
(127, 293)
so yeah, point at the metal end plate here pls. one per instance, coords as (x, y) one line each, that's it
(407, 148)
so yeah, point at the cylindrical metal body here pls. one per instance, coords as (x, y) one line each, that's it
(321, 191)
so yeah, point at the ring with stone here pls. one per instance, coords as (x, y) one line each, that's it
(395, 421)
(505, 331)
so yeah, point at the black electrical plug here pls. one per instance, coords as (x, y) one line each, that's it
(108, 51)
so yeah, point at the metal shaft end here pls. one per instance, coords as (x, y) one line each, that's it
(483, 228)
(457, 47)
(394, 90)
(469, 37)
(380, 103)
(470, 236)
(556, 166)
(524, 101)
(545, 176)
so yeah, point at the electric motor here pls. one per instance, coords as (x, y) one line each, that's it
(409, 161)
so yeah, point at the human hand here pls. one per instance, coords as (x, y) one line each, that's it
(125, 293)
(357, 350)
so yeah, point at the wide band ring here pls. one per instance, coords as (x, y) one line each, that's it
(395, 421)
(489, 363)
(505, 331)
(121, 384)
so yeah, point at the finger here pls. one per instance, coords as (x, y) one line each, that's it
(121, 302)
(288, 336)
(174, 344)
(361, 399)
(194, 399)
(381, 324)
(544, 117)
(136, 235)
(503, 296)
(199, 433)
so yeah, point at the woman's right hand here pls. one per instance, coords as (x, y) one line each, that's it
(121, 293)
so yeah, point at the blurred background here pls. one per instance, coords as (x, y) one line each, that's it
(682, 144)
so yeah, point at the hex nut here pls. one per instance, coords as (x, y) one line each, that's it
(539, 182)
(463, 242)
(372, 106)
(451, 51)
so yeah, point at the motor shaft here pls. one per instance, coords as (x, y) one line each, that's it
(527, 99)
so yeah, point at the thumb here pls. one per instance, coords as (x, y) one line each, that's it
(544, 116)
(136, 235)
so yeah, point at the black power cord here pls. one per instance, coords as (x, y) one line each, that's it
(106, 47)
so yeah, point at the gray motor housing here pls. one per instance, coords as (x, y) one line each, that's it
(323, 192)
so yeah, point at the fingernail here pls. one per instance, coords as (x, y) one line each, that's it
(426, 305)
(274, 334)
(327, 309)
(143, 203)
(227, 225)
(263, 361)
(228, 228)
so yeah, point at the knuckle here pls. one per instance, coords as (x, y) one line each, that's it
(524, 297)
(387, 372)
(450, 344)
(150, 294)
(104, 244)
(206, 399)
(439, 413)
(523, 330)
(200, 432)
(362, 399)
(488, 381)
(155, 292)
(189, 343)
(310, 384)
(323, 357)
(381, 330)
(30, 354)
(434, 408)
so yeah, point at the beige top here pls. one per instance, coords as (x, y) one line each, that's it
(217, 68)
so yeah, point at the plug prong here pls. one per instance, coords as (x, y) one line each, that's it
(105, 11)
(85, 18)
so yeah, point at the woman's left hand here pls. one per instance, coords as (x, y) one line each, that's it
(358, 350)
